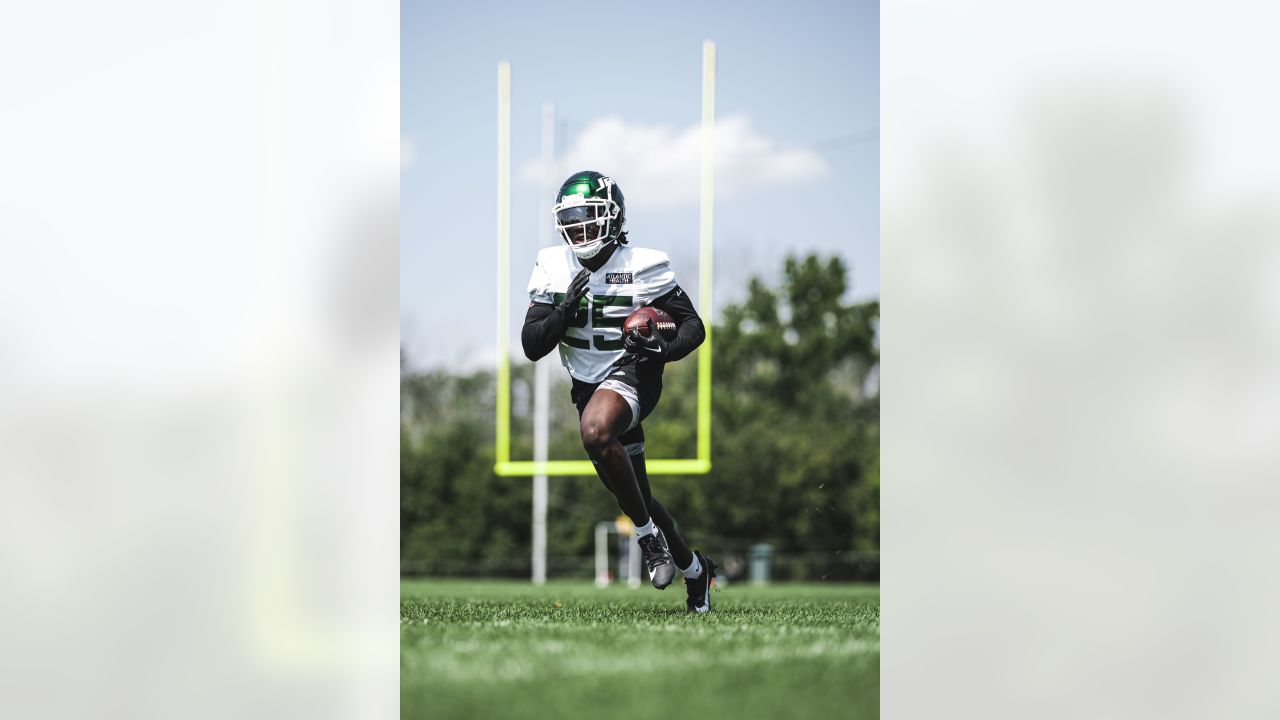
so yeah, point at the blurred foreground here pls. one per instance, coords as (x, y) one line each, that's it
(510, 650)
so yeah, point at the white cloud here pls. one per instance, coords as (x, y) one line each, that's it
(658, 166)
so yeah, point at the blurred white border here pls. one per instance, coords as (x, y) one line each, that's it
(199, 210)
(1081, 353)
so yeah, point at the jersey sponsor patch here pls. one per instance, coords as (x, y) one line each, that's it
(619, 278)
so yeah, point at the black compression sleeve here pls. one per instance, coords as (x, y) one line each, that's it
(544, 325)
(689, 330)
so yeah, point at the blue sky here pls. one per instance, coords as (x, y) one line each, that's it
(797, 147)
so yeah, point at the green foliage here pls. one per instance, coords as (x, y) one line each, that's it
(446, 466)
(794, 431)
(795, 446)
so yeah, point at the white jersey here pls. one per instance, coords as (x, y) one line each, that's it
(633, 278)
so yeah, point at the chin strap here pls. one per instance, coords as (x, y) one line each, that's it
(603, 247)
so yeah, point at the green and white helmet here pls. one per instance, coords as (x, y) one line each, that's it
(590, 211)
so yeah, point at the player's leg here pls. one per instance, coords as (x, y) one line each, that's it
(658, 513)
(699, 570)
(582, 394)
(607, 415)
(680, 551)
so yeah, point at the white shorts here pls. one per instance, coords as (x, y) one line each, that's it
(629, 394)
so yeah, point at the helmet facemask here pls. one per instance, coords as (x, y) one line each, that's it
(587, 224)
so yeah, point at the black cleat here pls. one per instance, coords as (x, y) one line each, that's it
(699, 588)
(662, 569)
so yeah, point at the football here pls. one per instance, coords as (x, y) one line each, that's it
(639, 321)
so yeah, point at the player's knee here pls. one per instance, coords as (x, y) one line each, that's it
(596, 438)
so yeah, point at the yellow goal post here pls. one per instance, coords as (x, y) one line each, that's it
(506, 467)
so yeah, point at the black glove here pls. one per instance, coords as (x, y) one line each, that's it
(577, 288)
(653, 347)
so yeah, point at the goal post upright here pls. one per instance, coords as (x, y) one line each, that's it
(503, 401)
(542, 368)
(707, 195)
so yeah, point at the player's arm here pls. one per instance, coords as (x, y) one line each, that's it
(689, 329)
(545, 325)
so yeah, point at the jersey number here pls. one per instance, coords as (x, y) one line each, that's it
(592, 315)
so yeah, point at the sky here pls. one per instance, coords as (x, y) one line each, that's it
(797, 145)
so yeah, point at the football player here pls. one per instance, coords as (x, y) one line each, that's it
(580, 294)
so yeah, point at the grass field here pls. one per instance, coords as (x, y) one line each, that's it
(509, 650)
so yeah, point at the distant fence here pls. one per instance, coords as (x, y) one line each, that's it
(826, 565)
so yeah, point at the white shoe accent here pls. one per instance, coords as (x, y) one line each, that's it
(693, 571)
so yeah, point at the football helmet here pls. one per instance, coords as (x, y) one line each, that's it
(589, 212)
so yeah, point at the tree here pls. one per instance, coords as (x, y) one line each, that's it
(795, 441)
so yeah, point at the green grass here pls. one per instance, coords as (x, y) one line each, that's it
(509, 650)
